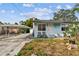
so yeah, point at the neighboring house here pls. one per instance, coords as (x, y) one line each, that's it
(49, 28)
(11, 29)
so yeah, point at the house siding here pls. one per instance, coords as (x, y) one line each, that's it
(50, 29)
(35, 29)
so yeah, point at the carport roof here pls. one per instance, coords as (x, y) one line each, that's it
(11, 25)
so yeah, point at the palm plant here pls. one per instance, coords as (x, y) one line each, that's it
(76, 8)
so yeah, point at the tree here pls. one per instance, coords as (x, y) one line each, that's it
(16, 23)
(1, 23)
(22, 22)
(28, 22)
(72, 29)
(66, 15)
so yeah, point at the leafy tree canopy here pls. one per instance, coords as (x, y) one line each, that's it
(76, 8)
(28, 22)
(66, 15)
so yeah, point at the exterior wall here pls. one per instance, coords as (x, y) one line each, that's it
(0, 30)
(3, 31)
(31, 31)
(10, 30)
(50, 29)
(13, 30)
(35, 29)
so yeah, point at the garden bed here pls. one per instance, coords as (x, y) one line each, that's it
(47, 47)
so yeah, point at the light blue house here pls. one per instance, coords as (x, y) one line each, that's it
(49, 28)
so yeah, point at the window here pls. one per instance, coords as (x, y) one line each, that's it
(41, 27)
(63, 28)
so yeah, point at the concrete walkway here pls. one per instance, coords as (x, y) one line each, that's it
(10, 46)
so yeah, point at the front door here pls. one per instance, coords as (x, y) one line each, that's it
(41, 29)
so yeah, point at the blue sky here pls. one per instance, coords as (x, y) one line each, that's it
(15, 12)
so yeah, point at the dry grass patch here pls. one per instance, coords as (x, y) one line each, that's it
(47, 47)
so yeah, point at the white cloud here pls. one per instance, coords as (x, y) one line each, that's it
(39, 13)
(3, 11)
(68, 7)
(43, 10)
(59, 7)
(28, 5)
(12, 11)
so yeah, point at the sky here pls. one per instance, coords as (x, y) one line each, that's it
(16, 12)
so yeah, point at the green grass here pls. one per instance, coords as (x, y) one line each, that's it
(47, 47)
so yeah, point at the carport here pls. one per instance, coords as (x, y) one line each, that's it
(6, 29)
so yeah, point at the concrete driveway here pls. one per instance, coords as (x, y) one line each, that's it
(11, 45)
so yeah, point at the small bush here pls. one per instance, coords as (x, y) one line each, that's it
(29, 47)
(18, 54)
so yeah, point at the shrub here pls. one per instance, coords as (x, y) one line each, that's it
(29, 47)
(18, 54)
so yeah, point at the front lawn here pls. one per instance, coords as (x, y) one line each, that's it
(47, 47)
